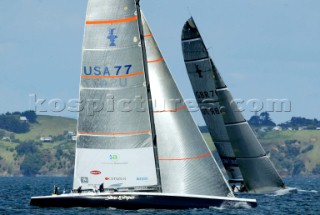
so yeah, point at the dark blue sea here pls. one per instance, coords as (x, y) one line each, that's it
(15, 193)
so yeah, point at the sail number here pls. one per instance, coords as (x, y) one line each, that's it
(210, 111)
(204, 94)
(107, 71)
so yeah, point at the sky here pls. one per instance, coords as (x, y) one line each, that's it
(263, 49)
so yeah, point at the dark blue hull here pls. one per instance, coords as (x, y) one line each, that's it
(135, 201)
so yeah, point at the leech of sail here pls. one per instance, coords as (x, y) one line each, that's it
(110, 22)
(174, 110)
(155, 61)
(112, 76)
(181, 159)
(114, 133)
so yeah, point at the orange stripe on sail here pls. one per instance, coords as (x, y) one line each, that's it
(183, 159)
(111, 76)
(154, 61)
(175, 110)
(114, 133)
(110, 22)
(148, 35)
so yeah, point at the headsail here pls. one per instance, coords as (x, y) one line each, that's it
(186, 164)
(115, 135)
(199, 67)
(257, 170)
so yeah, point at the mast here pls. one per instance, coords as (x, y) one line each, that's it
(145, 65)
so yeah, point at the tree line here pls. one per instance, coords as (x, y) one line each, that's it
(12, 122)
(264, 120)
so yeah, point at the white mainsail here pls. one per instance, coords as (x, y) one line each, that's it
(186, 164)
(235, 141)
(115, 137)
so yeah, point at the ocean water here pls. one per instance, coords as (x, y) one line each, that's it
(15, 193)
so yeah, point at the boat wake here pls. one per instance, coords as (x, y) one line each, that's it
(307, 191)
(282, 192)
(232, 205)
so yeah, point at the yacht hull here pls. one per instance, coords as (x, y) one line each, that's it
(135, 201)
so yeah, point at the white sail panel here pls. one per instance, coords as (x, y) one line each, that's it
(186, 164)
(115, 168)
(114, 111)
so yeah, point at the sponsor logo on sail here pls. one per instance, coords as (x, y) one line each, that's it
(84, 180)
(115, 178)
(112, 37)
(113, 157)
(95, 172)
(142, 178)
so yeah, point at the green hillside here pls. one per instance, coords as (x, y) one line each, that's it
(48, 126)
(26, 154)
(292, 152)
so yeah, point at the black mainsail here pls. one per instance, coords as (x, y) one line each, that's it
(234, 139)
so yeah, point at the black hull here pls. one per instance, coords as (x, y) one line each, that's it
(139, 201)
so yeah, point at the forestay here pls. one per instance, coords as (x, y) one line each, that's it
(115, 144)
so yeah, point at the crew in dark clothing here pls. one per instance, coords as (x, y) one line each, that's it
(55, 190)
(243, 188)
(101, 188)
(79, 190)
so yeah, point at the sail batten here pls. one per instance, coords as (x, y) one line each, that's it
(111, 22)
(156, 60)
(190, 158)
(115, 133)
(191, 39)
(197, 60)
